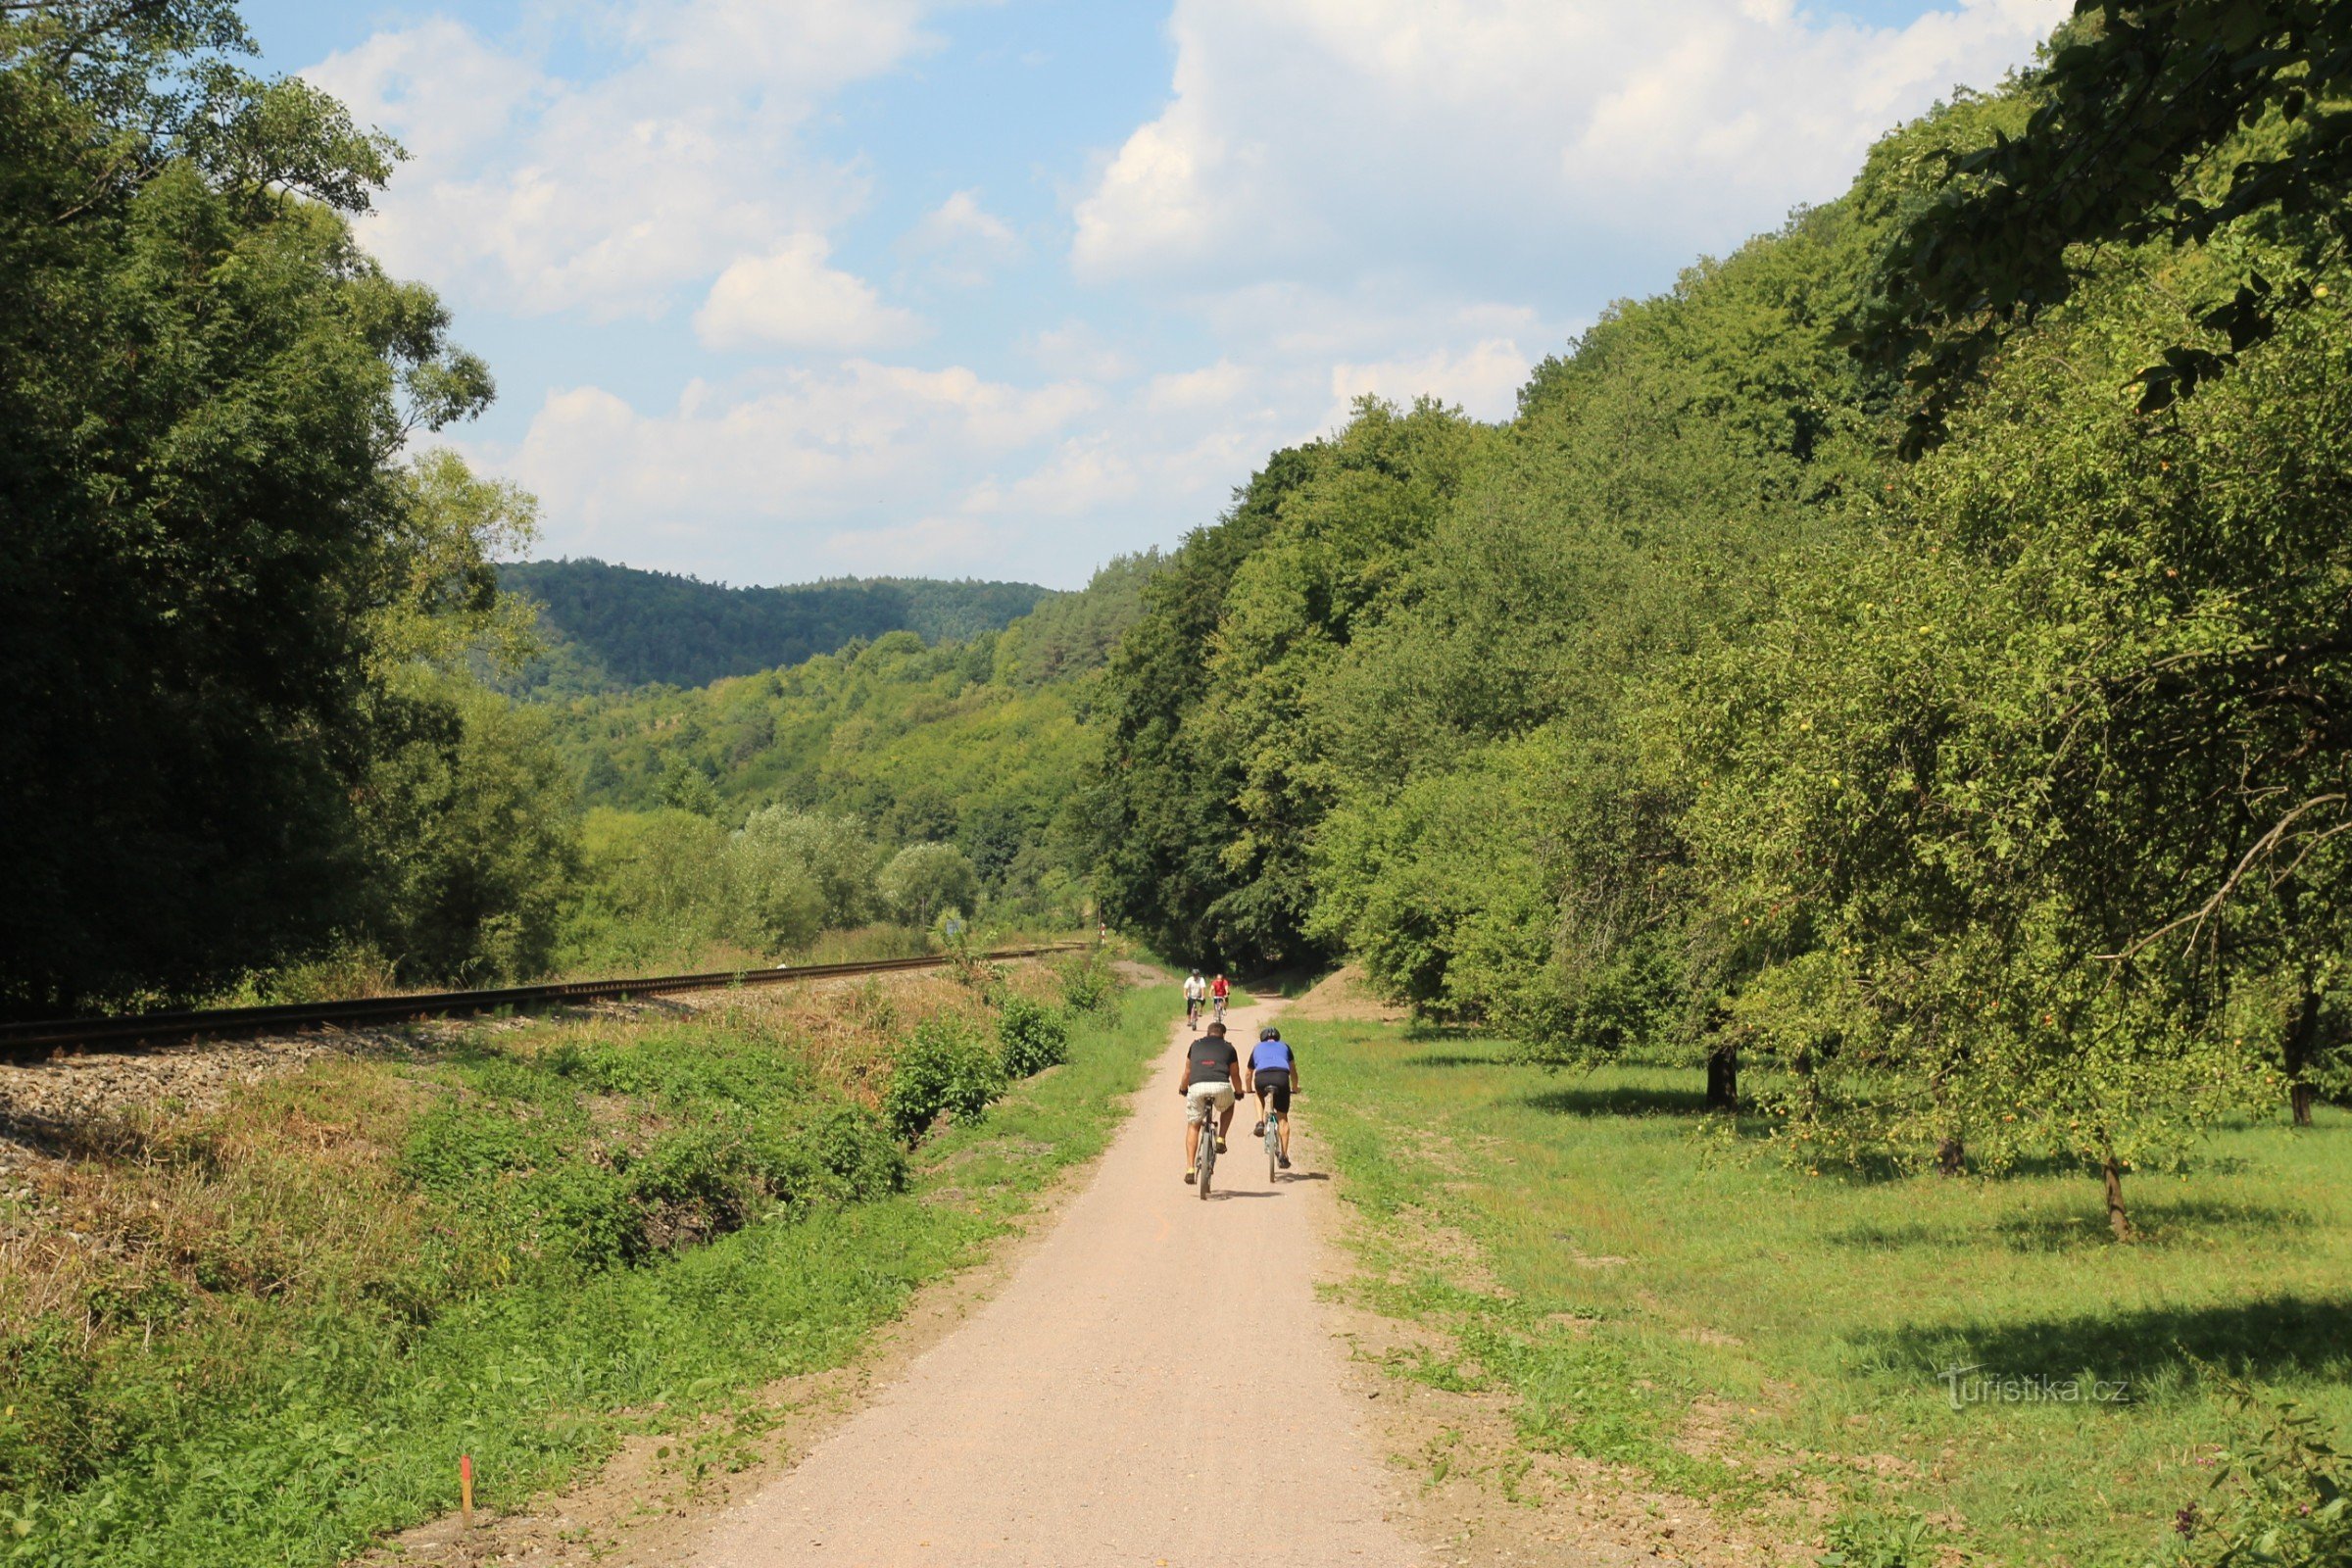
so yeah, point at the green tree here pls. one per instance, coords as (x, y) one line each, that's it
(833, 858)
(924, 881)
(2151, 120)
(208, 389)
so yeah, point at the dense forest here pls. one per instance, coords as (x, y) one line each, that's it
(1903, 667)
(605, 627)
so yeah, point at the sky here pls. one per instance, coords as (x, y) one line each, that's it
(784, 289)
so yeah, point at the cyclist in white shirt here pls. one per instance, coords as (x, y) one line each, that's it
(1196, 995)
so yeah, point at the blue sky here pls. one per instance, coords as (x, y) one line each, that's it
(780, 290)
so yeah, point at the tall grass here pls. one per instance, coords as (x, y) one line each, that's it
(522, 1247)
(1665, 1296)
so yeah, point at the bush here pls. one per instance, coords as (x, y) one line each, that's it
(1088, 985)
(845, 1154)
(946, 1069)
(1031, 1037)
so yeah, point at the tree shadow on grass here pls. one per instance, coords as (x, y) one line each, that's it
(1619, 1099)
(2161, 1222)
(2286, 1336)
(1458, 1058)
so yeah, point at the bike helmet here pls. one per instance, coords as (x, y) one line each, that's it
(1266, 1031)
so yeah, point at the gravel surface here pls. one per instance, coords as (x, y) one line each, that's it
(1156, 1385)
(46, 1107)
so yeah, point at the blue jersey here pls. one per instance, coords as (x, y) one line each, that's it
(1270, 1054)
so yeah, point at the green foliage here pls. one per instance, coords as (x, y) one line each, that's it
(1069, 635)
(2167, 120)
(612, 629)
(828, 860)
(1988, 809)
(946, 1069)
(473, 840)
(1030, 1037)
(925, 881)
(976, 744)
(359, 1328)
(226, 579)
(1089, 983)
(2281, 1492)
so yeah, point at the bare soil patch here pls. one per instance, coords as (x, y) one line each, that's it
(1344, 996)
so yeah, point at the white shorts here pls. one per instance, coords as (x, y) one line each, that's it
(1198, 1098)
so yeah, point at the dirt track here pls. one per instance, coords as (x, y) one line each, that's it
(1156, 1385)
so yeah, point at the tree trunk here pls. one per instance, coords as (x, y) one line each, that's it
(1723, 1078)
(2302, 1049)
(2117, 1218)
(1952, 1156)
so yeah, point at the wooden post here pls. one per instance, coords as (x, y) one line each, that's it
(465, 1492)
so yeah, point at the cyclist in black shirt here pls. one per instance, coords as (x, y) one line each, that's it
(1211, 1076)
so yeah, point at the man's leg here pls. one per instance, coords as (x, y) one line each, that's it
(1225, 1120)
(1286, 1134)
(1192, 1143)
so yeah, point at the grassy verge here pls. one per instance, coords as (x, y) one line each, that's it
(1648, 1290)
(522, 1246)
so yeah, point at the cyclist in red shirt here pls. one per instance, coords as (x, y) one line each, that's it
(1219, 992)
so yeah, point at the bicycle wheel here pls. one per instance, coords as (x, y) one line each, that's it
(1273, 1152)
(1206, 1162)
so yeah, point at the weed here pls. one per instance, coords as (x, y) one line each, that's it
(945, 1070)
(1030, 1037)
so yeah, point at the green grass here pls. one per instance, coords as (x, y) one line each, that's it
(319, 1419)
(1808, 1318)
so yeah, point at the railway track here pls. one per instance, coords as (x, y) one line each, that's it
(38, 1040)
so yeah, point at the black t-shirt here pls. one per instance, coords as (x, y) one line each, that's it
(1212, 1061)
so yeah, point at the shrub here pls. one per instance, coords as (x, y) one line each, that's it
(1089, 984)
(1030, 1037)
(844, 1155)
(946, 1069)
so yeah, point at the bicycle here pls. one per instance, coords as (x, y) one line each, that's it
(1204, 1159)
(1273, 1126)
(1220, 1005)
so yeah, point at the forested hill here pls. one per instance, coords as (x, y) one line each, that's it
(612, 629)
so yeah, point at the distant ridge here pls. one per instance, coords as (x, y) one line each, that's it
(613, 628)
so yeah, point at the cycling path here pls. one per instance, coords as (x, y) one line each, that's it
(1155, 1385)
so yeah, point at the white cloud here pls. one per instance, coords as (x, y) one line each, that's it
(1078, 349)
(534, 195)
(1483, 380)
(1495, 139)
(1212, 386)
(963, 241)
(764, 473)
(790, 298)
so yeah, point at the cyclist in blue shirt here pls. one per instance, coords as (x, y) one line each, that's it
(1274, 1079)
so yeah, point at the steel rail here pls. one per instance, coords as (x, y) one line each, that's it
(37, 1040)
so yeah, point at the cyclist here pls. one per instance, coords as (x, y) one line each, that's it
(1211, 1076)
(1274, 1077)
(1195, 993)
(1218, 992)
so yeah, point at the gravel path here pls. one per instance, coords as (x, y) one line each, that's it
(1156, 1385)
